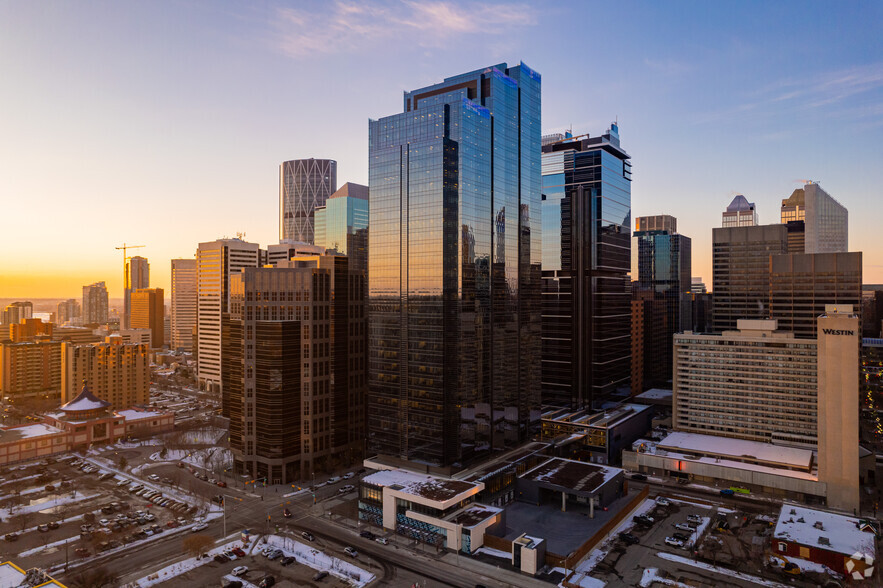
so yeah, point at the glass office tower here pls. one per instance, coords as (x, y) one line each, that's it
(661, 271)
(454, 261)
(586, 300)
(304, 184)
(342, 224)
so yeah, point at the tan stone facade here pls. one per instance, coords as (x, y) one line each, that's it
(115, 372)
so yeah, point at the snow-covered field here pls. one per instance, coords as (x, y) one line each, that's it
(208, 436)
(210, 458)
(46, 504)
(318, 560)
(719, 570)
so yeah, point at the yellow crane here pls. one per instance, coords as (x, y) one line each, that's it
(126, 284)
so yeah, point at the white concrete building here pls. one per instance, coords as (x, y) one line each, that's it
(215, 262)
(183, 313)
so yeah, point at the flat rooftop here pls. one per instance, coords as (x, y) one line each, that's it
(655, 394)
(475, 514)
(13, 434)
(823, 530)
(600, 419)
(737, 449)
(429, 487)
(575, 476)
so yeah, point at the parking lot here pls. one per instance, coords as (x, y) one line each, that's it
(71, 509)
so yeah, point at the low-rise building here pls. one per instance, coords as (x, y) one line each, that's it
(845, 544)
(26, 442)
(12, 575)
(572, 484)
(438, 511)
(596, 436)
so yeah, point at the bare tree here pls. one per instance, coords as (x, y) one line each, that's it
(197, 545)
(22, 520)
(92, 577)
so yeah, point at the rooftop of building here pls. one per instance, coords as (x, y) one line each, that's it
(502, 462)
(136, 414)
(824, 530)
(474, 515)
(12, 575)
(422, 485)
(740, 203)
(85, 401)
(351, 190)
(575, 476)
(13, 434)
(699, 447)
(655, 394)
(604, 419)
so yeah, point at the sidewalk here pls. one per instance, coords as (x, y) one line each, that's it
(465, 562)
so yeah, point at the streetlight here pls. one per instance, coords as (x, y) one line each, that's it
(224, 498)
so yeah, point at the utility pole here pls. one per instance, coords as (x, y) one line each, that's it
(124, 320)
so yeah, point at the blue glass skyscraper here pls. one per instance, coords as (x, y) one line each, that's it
(454, 262)
(341, 225)
(586, 305)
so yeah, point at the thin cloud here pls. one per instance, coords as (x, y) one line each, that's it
(346, 26)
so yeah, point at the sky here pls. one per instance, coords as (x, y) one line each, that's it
(163, 124)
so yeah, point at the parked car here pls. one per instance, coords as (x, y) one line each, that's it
(199, 527)
(674, 542)
(348, 475)
(286, 560)
(82, 552)
(221, 558)
(663, 501)
(644, 520)
(238, 551)
(122, 483)
(105, 476)
(368, 535)
(222, 484)
(307, 535)
(727, 492)
(333, 480)
(54, 525)
(267, 582)
(43, 528)
(240, 571)
(685, 527)
(681, 536)
(694, 518)
(275, 554)
(350, 551)
(345, 489)
(628, 538)
(320, 575)
(382, 540)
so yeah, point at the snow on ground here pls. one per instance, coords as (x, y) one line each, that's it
(203, 458)
(320, 561)
(727, 510)
(695, 535)
(245, 583)
(46, 504)
(208, 436)
(182, 567)
(683, 500)
(584, 581)
(166, 491)
(598, 554)
(13, 480)
(650, 576)
(494, 552)
(48, 546)
(719, 570)
(808, 566)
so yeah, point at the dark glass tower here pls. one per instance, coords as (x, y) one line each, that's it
(662, 271)
(586, 297)
(454, 260)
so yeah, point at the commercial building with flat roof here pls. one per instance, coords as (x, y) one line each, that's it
(595, 436)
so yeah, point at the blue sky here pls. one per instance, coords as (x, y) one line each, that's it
(163, 124)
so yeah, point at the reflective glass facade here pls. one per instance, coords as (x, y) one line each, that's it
(454, 261)
(661, 270)
(586, 308)
(304, 184)
(342, 224)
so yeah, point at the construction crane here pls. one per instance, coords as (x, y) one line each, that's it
(126, 285)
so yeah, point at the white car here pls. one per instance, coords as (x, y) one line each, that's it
(674, 542)
(240, 570)
(663, 501)
(333, 480)
(200, 527)
(348, 475)
(345, 489)
(153, 477)
(694, 518)
(351, 552)
(685, 527)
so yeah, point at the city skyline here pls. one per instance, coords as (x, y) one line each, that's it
(177, 127)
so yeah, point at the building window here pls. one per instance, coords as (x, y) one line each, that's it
(783, 547)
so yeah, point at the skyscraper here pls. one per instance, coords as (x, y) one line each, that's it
(148, 312)
(825, 221)
(741, 272)
(95, 303)
(586, 302)
(342, 224)
(16, 312)
(67, 310)
(183, 309)
(294, 374)
(454, 261)
(138, 274)
(216, 261)
(662, 268)
(740, 213)
(304, 184)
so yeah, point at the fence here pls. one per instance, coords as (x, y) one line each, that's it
(595, 539)
(497, 543)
